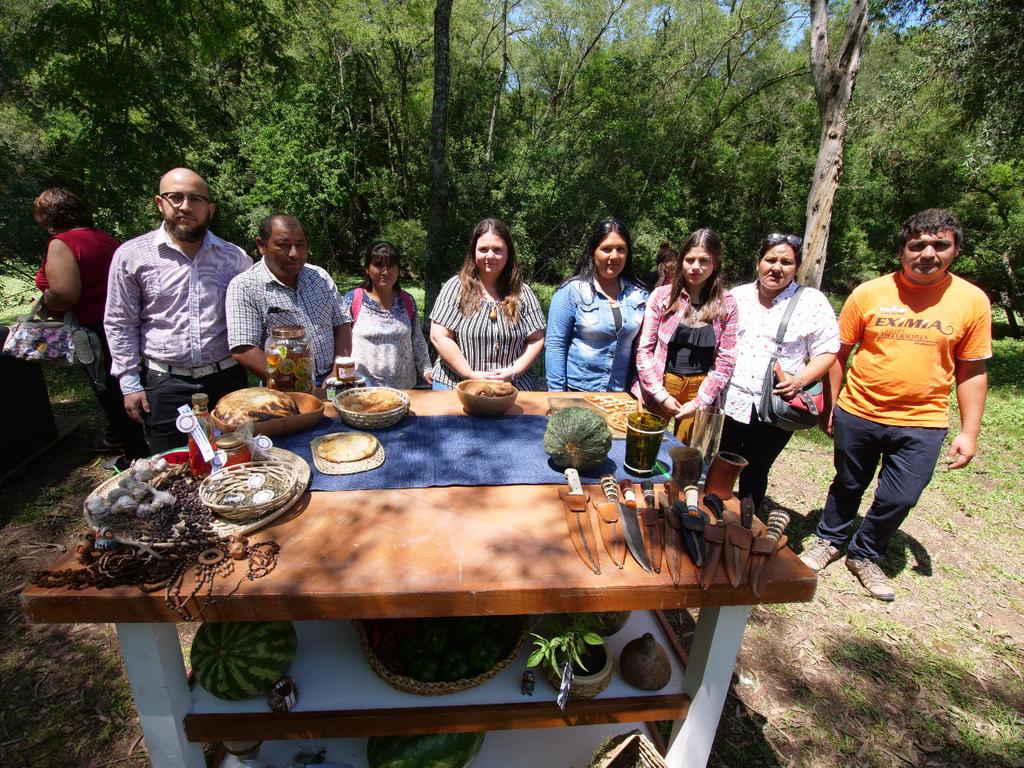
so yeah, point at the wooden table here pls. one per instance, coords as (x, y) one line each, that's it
(417, 553)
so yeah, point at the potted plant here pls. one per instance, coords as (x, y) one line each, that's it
(574, 639)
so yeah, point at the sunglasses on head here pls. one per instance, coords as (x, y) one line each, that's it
(777, 238)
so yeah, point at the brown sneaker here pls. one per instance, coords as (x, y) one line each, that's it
(871, 578)
(819, 554)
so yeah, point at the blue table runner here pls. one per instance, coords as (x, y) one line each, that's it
(426, 451)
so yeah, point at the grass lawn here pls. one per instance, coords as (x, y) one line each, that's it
(935, 679)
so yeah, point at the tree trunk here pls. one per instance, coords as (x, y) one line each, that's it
(1011, 296)
(501, 82)
(833, 88)
(438, 222)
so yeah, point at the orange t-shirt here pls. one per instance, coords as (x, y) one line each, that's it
(910, 338)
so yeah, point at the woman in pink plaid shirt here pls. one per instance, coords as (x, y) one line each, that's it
(687, 347)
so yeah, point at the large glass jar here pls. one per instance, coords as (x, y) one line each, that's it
(289, 359)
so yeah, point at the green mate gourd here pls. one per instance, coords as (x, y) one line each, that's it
(237, 660)
(442, 750)
(577, 437)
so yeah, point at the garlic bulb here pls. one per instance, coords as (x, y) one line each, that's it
(116, 493)
(140, 491)
(125, 505)
(160, 465)
(162, 500)
(98, 507)
(144, 511)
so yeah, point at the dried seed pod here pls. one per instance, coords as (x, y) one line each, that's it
(116, 493)
(98, 507)
(125, 505)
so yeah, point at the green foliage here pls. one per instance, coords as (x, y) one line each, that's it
(565, 640)
(669, 116)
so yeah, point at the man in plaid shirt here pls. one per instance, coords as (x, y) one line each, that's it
(283, 289)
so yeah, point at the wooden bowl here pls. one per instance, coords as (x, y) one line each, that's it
(482, 405)
(311, 410)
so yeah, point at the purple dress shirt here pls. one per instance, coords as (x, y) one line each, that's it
(163, 306)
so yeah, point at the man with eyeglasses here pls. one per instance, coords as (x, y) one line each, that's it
(920, 331)
(165, 318)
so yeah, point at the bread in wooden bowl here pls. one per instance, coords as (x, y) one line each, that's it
(271, 412)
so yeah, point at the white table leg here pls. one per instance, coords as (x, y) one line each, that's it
(156, 673)
(716, 643)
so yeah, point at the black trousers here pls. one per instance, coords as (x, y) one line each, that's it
(908, 456)
(166, 392)
(760, 444)
(121, 426)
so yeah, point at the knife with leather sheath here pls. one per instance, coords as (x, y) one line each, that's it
(611, 531)
(764, 549)
(654, 526)
(577, 519)
(630, 523)
(738, 538)
(714, 539)
(673, 540)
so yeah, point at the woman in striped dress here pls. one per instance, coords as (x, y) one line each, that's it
(486, 322)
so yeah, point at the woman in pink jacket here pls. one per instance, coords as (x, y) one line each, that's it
(687, 347)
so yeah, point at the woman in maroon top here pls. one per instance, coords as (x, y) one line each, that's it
(73, 277)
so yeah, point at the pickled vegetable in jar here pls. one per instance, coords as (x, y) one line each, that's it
(289, 359)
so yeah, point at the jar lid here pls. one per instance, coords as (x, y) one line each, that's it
(344, 361)
(288, 332)
(201, 400)
(229, 442)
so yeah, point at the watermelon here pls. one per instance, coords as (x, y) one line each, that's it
(237, 660)
(577, 437)
(440, 750)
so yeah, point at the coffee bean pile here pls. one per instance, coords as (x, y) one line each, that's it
(196, 519)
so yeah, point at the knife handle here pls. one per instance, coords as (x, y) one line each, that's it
(611, 489)
(648, 490)
(747, 512)
(777, 522)
(572, 477)
(692, 494)
(628, 496)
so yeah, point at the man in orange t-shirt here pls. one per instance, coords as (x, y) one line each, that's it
(919, 331)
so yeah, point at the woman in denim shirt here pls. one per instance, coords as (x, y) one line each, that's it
(595, 315)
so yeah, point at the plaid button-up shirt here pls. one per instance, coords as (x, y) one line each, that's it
(163, 306)
(257, 301)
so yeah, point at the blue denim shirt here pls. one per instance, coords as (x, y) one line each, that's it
(582, 350)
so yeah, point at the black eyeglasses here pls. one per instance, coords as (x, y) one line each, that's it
(177, 199)
(777, 238)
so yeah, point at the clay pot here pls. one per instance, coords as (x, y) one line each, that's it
(644, 664)
(722, 474)
(611, 622)
(586, 685)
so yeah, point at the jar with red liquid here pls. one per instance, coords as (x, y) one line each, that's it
(200, 407)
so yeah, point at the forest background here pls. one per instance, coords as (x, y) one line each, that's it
(671, 116)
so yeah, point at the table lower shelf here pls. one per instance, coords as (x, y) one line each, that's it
(570, 748)
(340, 696)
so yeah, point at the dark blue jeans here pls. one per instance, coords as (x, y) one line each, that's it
(908, 456)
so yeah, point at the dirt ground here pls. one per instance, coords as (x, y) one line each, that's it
(934, 679)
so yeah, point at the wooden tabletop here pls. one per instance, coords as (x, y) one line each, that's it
(426, 552)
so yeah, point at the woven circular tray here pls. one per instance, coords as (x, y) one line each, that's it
(220, 528)
(361, 420)
(421, 688)
(372, 461)
(236, 481)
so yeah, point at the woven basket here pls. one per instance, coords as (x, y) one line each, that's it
(235, 480)
(380, 420)
(421, 688)
(127, 533)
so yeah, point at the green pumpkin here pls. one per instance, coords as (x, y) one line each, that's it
(237, 660)
(441, 750)
(577, 437)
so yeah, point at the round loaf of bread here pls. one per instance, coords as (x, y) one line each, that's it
(347, 446)
(255, 403)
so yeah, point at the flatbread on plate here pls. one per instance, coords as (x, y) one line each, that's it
(347, 446)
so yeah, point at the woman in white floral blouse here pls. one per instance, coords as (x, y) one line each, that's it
(806, 353)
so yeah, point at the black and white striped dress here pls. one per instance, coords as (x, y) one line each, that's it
(487, 344)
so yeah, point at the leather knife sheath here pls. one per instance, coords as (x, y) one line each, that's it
(673, 543)
(737, 552)
(581, 531)
(655, 537)
(763, 551)
(611, 531)
(714, 541)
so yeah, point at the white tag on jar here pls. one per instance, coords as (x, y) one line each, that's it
(189, 424)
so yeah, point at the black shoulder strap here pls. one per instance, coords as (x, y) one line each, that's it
(785, 318)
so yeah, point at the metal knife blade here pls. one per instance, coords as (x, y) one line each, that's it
(630, 523)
